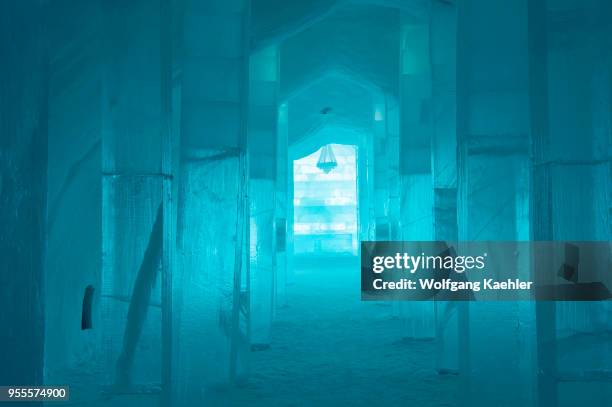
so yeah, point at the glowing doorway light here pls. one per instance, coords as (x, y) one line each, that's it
(325, 205)
(378, 116)
(327, 159)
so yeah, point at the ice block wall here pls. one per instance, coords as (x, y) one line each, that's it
(74, 210)
(23, 191)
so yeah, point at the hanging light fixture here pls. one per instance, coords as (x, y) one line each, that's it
(327, 159)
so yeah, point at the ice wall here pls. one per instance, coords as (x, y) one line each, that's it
(74, 236)
(23, 191)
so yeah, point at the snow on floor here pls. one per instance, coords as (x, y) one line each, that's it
(329, 348)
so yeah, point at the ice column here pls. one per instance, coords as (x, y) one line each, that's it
(492, 131)
(262, 150)
(281, 208)
(133, 178)
(443, 31)
(211, 314)
(571, 88)
(415, 168)
(540, 195)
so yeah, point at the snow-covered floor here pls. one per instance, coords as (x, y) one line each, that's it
(329, 348)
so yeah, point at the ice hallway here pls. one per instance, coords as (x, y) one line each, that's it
(148, 151)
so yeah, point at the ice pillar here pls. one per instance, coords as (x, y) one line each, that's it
(135, 197)
(570, 107)
(415, 166)
(211, 318)
(262, 150)
(379, 163)
(541, 197)
(492, 129)
(443, 30)
(415, 130)
(282, 207)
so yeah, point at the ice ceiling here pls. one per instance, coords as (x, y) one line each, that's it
(354, 70)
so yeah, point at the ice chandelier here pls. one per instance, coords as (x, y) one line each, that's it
(327, 159)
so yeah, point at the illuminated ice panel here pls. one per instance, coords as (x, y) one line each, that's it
(326, 203)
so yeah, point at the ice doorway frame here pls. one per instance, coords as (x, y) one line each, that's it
(364, 158)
